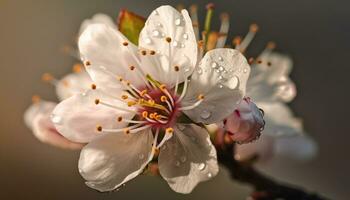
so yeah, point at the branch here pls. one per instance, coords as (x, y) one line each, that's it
(265, 187)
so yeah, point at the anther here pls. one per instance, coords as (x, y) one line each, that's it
(77, 68)
(93, 86)
(47, 77)
(237, 40)
(36, 99)
(168, 39)
(143, 52)
(87, 63)
(269, 64)
(125, 43)
(126, 131)
(163, 98)
(120, 78)
(201, 97)
(132, 67)
(124, 96)
(131, 103)
(162, 87)
(259, 61)
(99, 128)
(143, 92)
(97, 101)
(169, 130)
(200, 44)
(119, 119)
(152, 52)
(152, 102)
(144, 114)
(271, 45)
(254, 27)
(176, 68)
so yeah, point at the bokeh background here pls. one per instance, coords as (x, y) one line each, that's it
(316, 33)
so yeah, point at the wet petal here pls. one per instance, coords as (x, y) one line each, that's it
(98, 18)
(181, 51)
(188, 158)
(77, 117)
(221, 77)
(35, 109)
(113, 159)
(73, 83)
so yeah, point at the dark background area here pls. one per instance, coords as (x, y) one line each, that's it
(315, 33)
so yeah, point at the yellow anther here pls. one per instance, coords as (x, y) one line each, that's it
(93, 86)
(36, 99)
(126, 131)
(237, 40)
(151, 116)
(47, 77)
(271, 45)
(77, 68)
(97, 101)
(176, 68)
(163, 98)
(131, 103)
(151, 102)
(127, 83)
(143, 92)
(201, 97)
(120, 78)
(200, 44)
(144, 114)
(169, 130)
(254, 28)
(119, 119)
(87, 63)
(99, 128)
(155, 150)
(132, 67)
(162, 87)
(124, 96)
(168, 39)
(157, 117)
(125, 43)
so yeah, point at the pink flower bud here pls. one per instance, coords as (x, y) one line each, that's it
(245, 124)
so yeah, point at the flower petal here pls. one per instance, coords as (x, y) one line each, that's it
(113, 159)
(73, 83)
(106, 48)
(76, 118)
(181, 51)
(98, 18)
(188, 158)
(35, 109)
(221, 77)
(280, 120)
(269, 80)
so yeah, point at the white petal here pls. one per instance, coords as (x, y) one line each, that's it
(188, 158)
(221, 77)
(280, 120)
(300, 147)
(35, 109)
(77, 117)
(113, 159)
(164, 22)
(73, 83)
(103, 47)
(98, 18)
(269, 83)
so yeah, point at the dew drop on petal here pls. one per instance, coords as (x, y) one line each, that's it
(210, 175)
(220, 58)
(183, 45)
(185, 36)
(221, 69)
(177, 163)
(178, 22)
(233, 82)
(56, 119)
(221, 86)
(159, 25)
(201, 166)
(214, 65)
(205, 114)
(245, 70)
(175, 44)
(183, 159)
(148, 40)
(155, 33)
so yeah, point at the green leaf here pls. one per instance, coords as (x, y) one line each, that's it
(130, 25)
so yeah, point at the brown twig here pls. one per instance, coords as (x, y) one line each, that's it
(265, 187)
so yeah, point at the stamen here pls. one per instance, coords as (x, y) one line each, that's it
(99, 128)
(87, 63)
(165, 91)
(201, 48)
(152, 52)
(184, 90)
(124, 96)
(132, 67)
(212, 39)
(36, 99)
(98, 101)
(77, 68)
(143, 52)
(236, 42)
(251, 60)
(93, 86)
(125, 43)
(249, 37)
(47, 77)
(224, 28)
(268, 49)
(168, 39)
(131, 129)
(168, 134)
(207, 22)
(200, 100)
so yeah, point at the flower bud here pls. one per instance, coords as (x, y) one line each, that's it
(245, 124)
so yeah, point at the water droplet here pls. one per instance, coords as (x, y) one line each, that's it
(177, 163)
(205, 114)
(201, 166)
(83, 94)
(187, 69)
(233, 82)
(183, 159)
(185, 36)
(221, 86)
(178, 22)
(148, 40)
(220, 58)
(221, 77)
(175, 44)
(159, 25)
(221, 69)
(214, 65)
(182, 45)
(155, 33)
(56, 119)
(245, 70)
(199, 71)
(210, 175)
(141, 156)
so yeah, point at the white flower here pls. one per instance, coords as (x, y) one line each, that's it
(98, 18)
(140, 97)
(245, 124)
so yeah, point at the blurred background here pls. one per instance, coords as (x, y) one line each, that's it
(314, 32)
